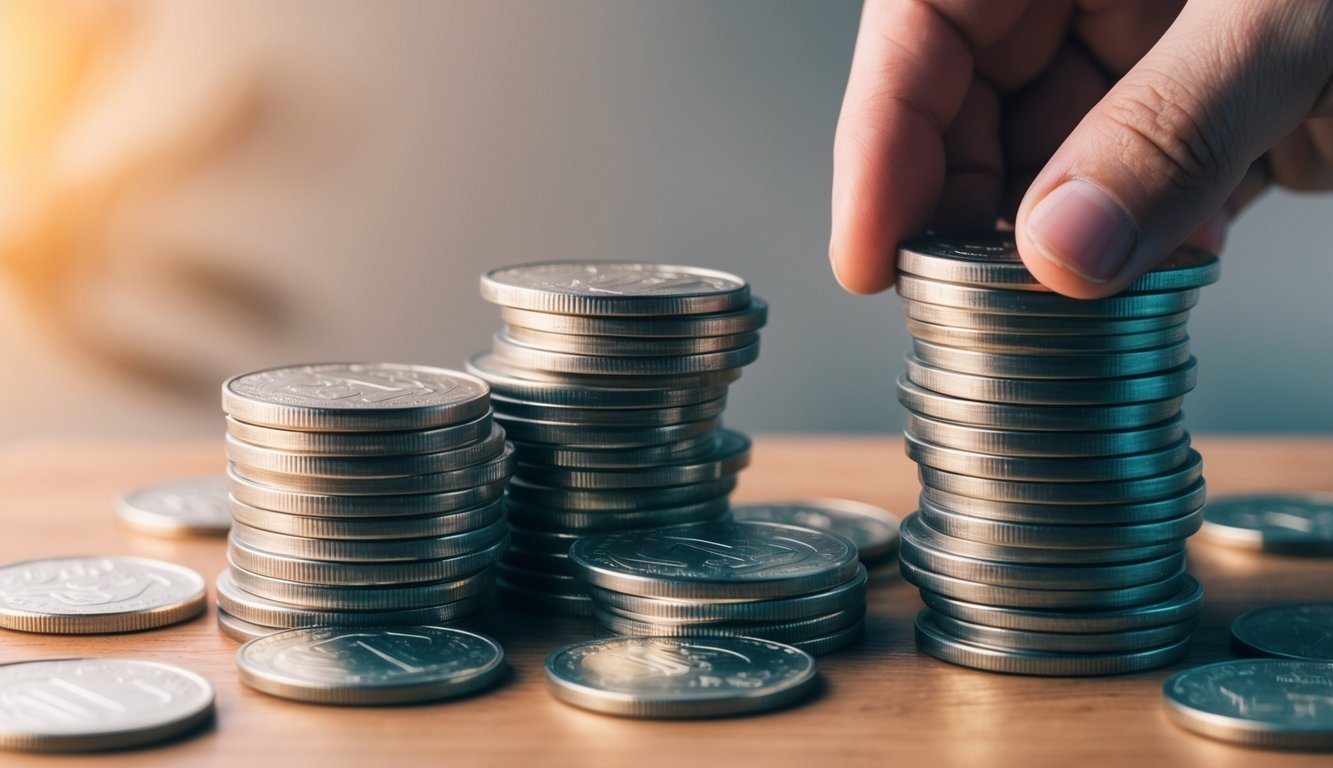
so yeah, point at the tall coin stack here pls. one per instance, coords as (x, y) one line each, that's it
(611, 379)
(1059, 485)
(361, 495)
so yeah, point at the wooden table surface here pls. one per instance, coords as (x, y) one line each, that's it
(883, 704)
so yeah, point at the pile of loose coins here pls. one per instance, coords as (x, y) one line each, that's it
(776, 582)
(362, 495)
(1058, 480)
(610, 379)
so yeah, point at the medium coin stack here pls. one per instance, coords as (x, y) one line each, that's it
(361, 495)
(1058, 480)
(783, 583)
(611, 379)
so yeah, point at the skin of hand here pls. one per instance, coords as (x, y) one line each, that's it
(1106, 132)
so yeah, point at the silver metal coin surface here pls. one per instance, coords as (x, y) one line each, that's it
(288, 463)
(874, 530)
(1140, 489)
(371, 665)
(1273, 703)
(505, 383)
(627, 346)
(749, 318)
(1282, 523)
(80, 595)
(614, 288)
(1043, 303)
(660, 677)
(1018, 342)
(355, 397)
(407, 442)
(524, 356)
(1058, 469)
(986, 321)
(1045, 418)
(1053, 365)
(337, 506)
(185, 507)
(1016, 442)
(1163, 385)
(80, 705)
(716, 560)
(1303, 631)
(851, 594)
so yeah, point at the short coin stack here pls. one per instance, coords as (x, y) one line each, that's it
(611, 379)
(783, 583)
(362, 495)
(1058, 480)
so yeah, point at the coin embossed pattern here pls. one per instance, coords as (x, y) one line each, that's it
(729, 579)
(361, 494)
(1272, 703)
(677, 677)
(371, 665)
(611, 379)
(1058, 481)
(83, 595)
(1280, 523)
(82, 705)
(1302, 631)
(192, 506)
(874, 530)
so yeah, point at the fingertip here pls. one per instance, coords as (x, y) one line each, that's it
(860, 272)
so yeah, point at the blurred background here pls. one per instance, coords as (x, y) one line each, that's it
(193, 188)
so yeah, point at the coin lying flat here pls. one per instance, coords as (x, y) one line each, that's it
(1016, 443)
(1283, 523)
(484, 365)
(1162, 385)
(961, 317)
(373, 665)
(349, 444)
(186, 507)
(614, 288)
(873, 530)
(1051, 418)
(656, 677)
(1302, 631)
(80, 705)
(749, 318)
(1080, 514)
(1044, 303)
(81, 595)
(847, 596)
(1273, 703)
(1013, 341)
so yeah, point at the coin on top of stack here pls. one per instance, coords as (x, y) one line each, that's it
(777, 582)
(1059, 485)
(362, 494)
(611, 379)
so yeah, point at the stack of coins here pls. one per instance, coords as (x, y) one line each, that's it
(611, 378)
(1058, 480)
(777, 582)
(362, 495)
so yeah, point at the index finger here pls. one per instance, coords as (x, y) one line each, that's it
(910, 73)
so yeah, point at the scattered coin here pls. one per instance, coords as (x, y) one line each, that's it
(1281, 523)
(1302, 631)
(874, 530)
(82, 595)
(596, 288)
(186, 507)
(1270, 703)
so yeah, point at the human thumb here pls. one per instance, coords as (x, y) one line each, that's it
(1161, 152)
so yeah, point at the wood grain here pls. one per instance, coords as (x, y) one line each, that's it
(883, 704)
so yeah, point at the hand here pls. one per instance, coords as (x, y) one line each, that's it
(1107, 132)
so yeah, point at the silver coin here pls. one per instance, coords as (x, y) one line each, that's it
(337, 506)
(371, 665)
(679, 677)
(925, 549)
(983, 549)
(1015, 342)
(614, 288)
(83, 705)
(1073, 514)
(371, 551)
(603, 381)
(782, 632)
(80, 595)
(716, 561)
(369, 529)
(1302, 631)
(1046, 599)
(1118, 492)
(361, 597)
(240, 630)
(490, 471)
(1272, 703)
(622, 500)
(1131, 389)
(1182, 606)
(991, 259)
(933, 640)
(731, 454)
(600, 437)
(873, 530)
(323, 572)
(564, 605)
(641, 457)
(1059, 642)
(1029, 443)
(1071, 469)
(458, 457)
(484, 366)
(626, 346)
(576, 521)
(749, 318)
(846, 596)
(353, 397)
(1053, 365)
(253, 609)
(609, 417)
(517, 354)
(1043, 303)
(840, 640)
(1283, 523)
(1064, 537)
(983, 321)
(185, 507)
(1046, 418)
(350, 444)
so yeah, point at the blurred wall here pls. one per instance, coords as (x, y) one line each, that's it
(190, 189)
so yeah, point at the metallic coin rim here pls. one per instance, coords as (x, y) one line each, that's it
(1241, 537)
(1165, 385)
(326, 573)
(1083, 514)
(147, 521)
(366, 467)
(731, 454)
(407, 442)
(332, 597)
(1243, 638)
(1019, 342)
(627, 346)
(667, 610)
(372, 550)
(792, 631)
(253, 609)
(591, 522)
(984, 321)
(1065, 642)
(1043, 303)
(341, 507)
(619, 500)
(746, 319)
(1238, 730)
(881, 548)
(610, 417)
(1070, 537)
(1059, 469)
(1035, 418)
(1155, 488)
(1016, 443)
(1028, 555)
(496, 290)
(117, 622)
(1053, 365)
(375, 529)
